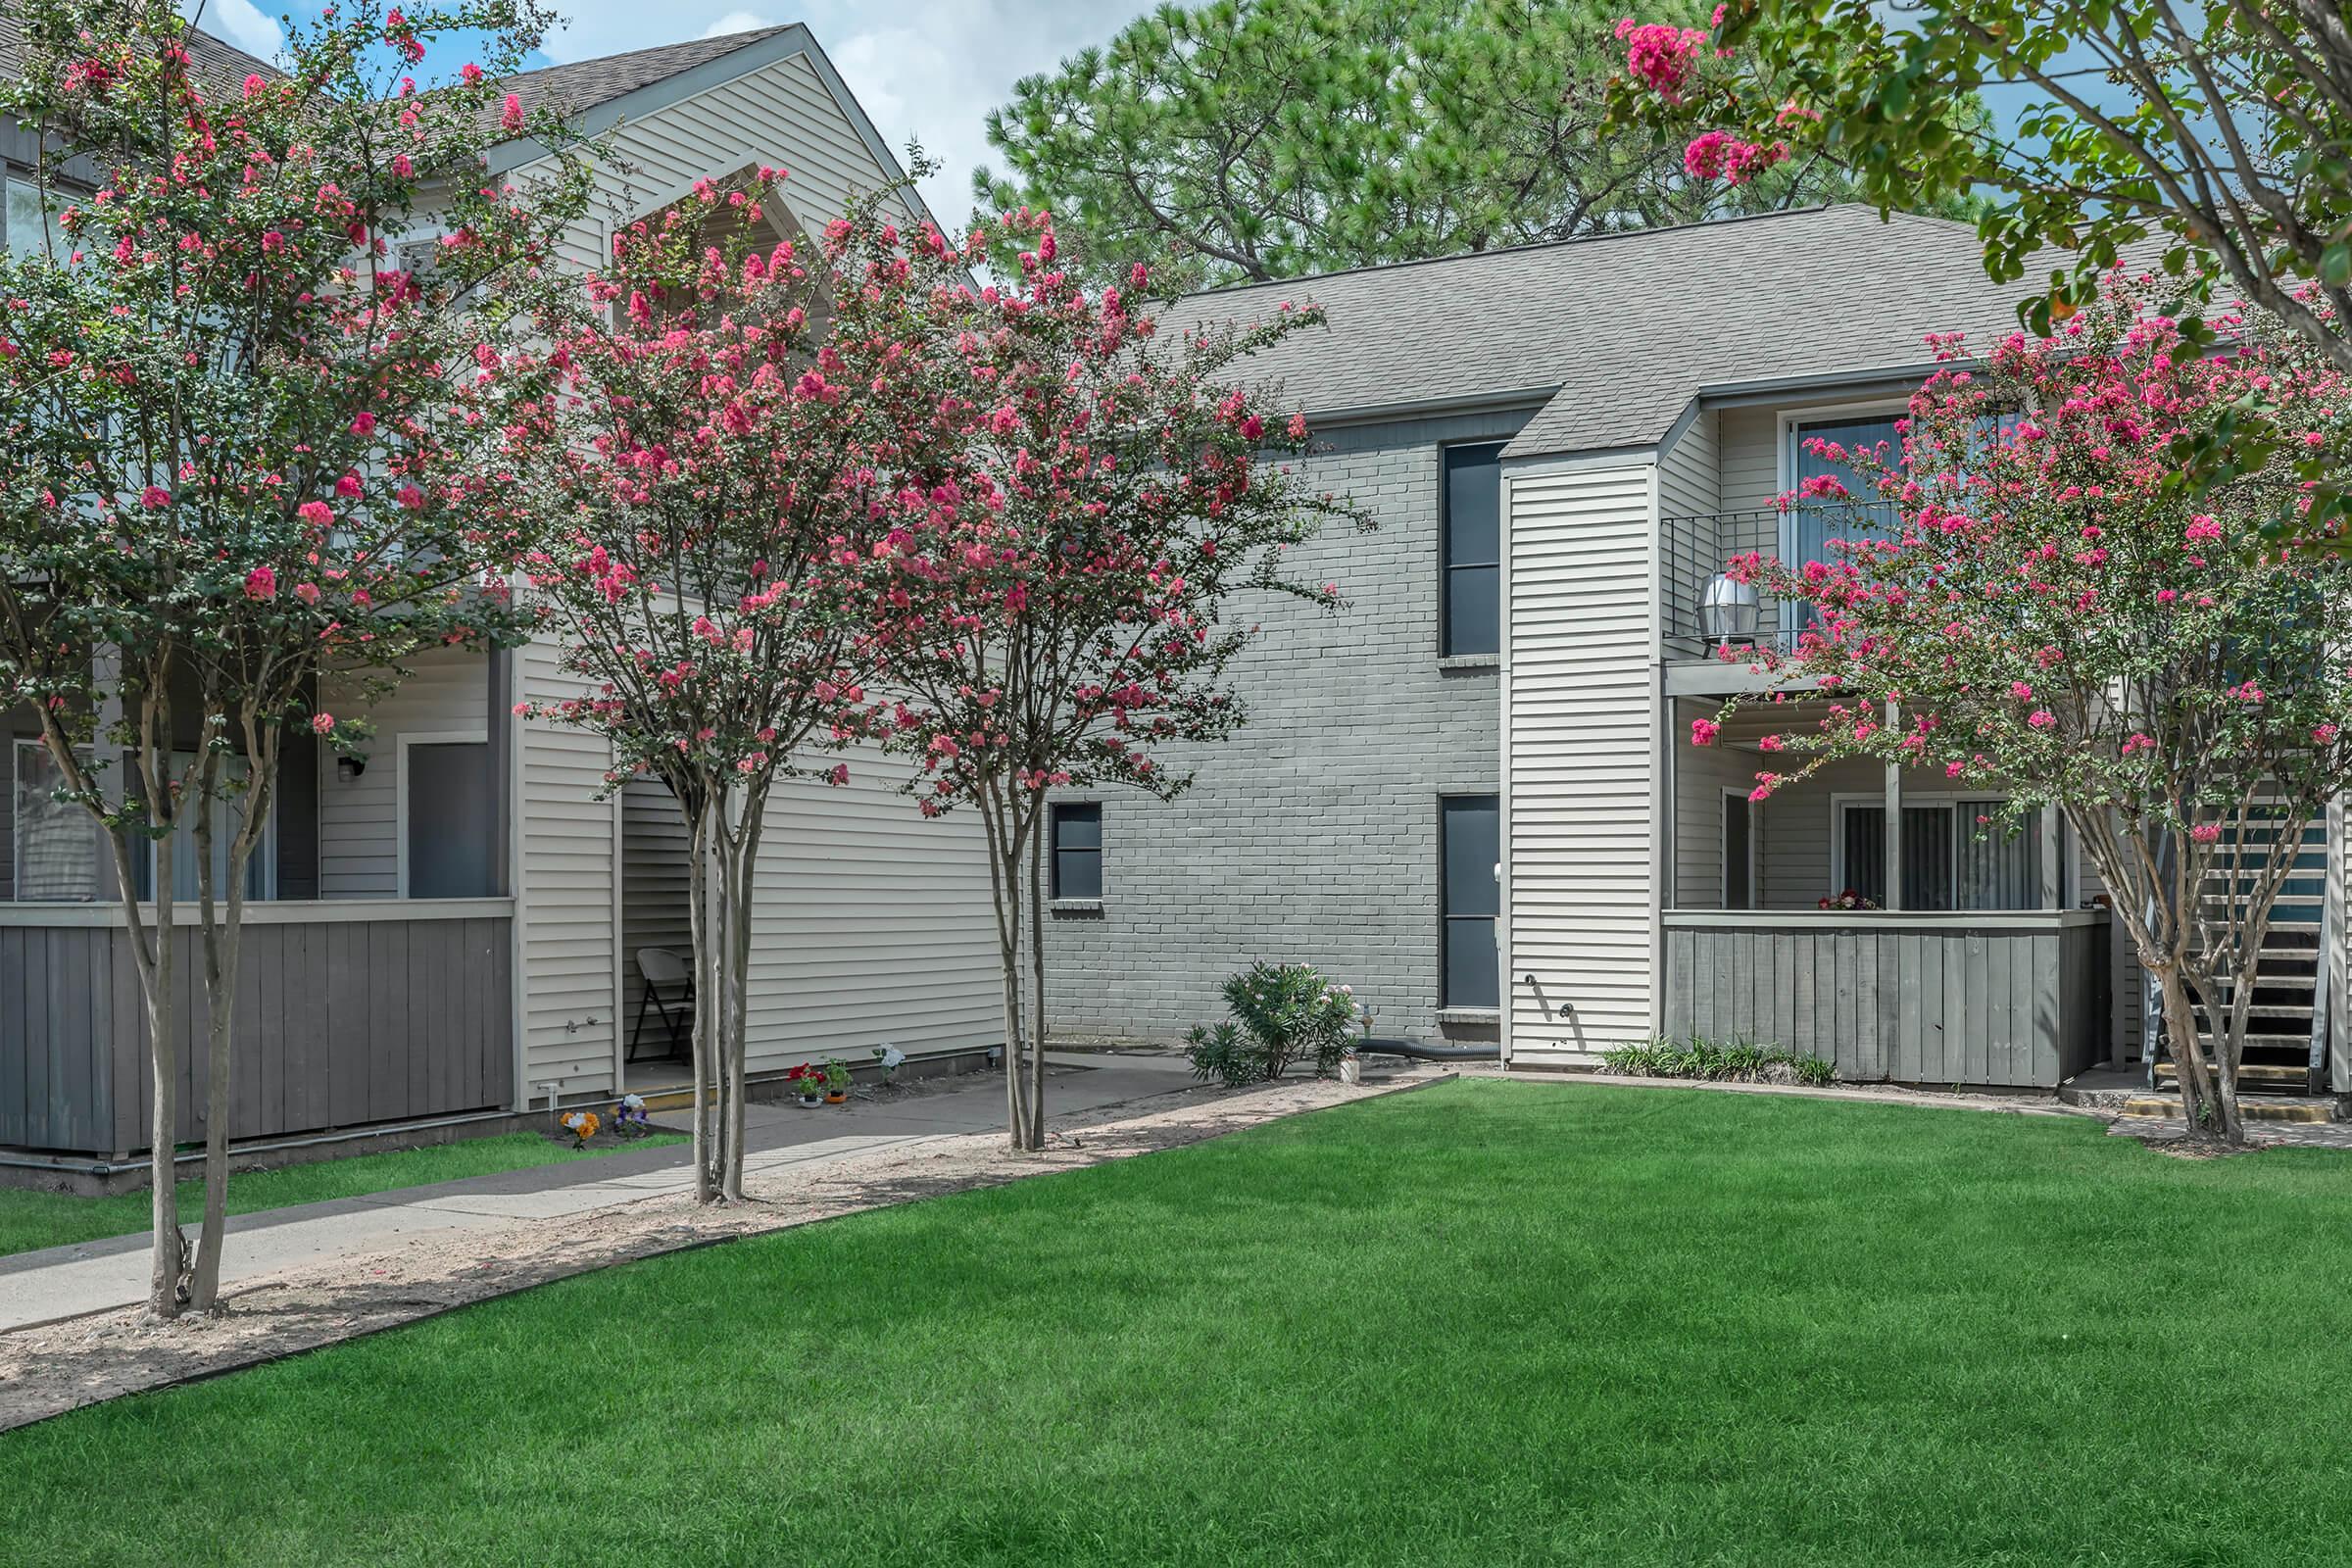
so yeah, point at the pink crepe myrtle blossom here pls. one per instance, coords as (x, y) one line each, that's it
(261, 584)
(323, 723)
(1703, 731)
(1660, 56)
(2061, 620)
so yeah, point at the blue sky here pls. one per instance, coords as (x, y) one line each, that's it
(926, 68)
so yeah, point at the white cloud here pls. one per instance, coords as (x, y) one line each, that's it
(240, 22)
(736, 22)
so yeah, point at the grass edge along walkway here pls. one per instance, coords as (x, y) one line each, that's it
(31, 1220)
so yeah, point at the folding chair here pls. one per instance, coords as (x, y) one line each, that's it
(662, 968)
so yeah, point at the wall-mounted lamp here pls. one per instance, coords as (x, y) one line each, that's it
(348, 768)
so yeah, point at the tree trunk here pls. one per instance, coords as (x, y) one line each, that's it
(2199, 1099)
(1037, 973)
(169, 1256)
(1004, 885)
(221, 946)
(736, 956)
(705, 1003)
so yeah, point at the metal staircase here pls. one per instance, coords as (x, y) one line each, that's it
(2280, 1077)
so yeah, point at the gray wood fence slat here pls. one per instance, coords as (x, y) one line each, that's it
(337, 1023)
(2011, 1005)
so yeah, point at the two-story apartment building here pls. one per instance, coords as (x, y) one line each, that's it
(448, 927)
(1563, 444)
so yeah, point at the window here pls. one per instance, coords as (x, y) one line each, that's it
(448, 817)
(228, 815)
(1077, 850)
(53, 844)
(1813, 526)
(30, 231)
(1471, 523)
(1470, 845)
(1949, 861)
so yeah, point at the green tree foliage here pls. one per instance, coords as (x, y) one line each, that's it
(1270, 138)
(2222, 127)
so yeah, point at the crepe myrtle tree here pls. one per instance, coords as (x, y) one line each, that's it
(2055, 620)
(1054, 606)
(2212, 132)
(226, 428)
(695, 469)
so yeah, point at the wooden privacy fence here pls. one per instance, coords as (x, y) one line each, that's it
(347, 1014)
(1995, 999)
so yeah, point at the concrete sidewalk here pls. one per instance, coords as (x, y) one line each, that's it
(63, 1282)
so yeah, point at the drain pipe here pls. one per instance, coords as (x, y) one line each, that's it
(1421, 1052)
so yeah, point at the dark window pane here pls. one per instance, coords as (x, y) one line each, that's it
(451, 821)
(1078, 850)
(1473, 506)
(1474, 610)
(1077, 873)
(1865, 852)
(1735, 853)
(1473, 844)
(1927, 856)
(1078, 827)
(1470, 964)
(1470, 841)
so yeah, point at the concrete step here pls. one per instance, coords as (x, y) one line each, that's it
(2308, 1108)
(2254, 1075)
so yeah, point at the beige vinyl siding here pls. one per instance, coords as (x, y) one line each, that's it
(1748, 443)
(359, 836)
(779, 114)
(1580, 731)
(873, 924)
(1701, 776)
(1687, 472)
(568, 903)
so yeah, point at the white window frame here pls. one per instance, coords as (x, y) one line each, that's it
(400, 790)
(1738, 798)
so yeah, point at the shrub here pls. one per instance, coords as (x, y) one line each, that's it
(1282, 1013)
(1716, 1062)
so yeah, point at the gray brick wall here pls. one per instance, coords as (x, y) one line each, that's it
(1312, 836)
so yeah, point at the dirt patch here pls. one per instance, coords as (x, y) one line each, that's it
(47, 1371)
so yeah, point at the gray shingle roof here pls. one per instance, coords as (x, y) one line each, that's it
(221, 66)
(1629, 328)
(584, 83)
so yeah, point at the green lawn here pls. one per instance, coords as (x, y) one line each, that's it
(29, 1221)
(1483, 1324)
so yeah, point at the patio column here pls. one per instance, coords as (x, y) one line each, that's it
(501, 731)
(2053, 869)
(1894, 818)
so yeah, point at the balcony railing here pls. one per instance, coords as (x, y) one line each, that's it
(1692, 549)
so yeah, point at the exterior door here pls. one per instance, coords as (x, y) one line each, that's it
(452, 820)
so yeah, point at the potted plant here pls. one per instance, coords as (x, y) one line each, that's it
(837, 1081)
(807, 1082)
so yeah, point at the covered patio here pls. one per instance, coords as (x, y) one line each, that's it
(1874, 916)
